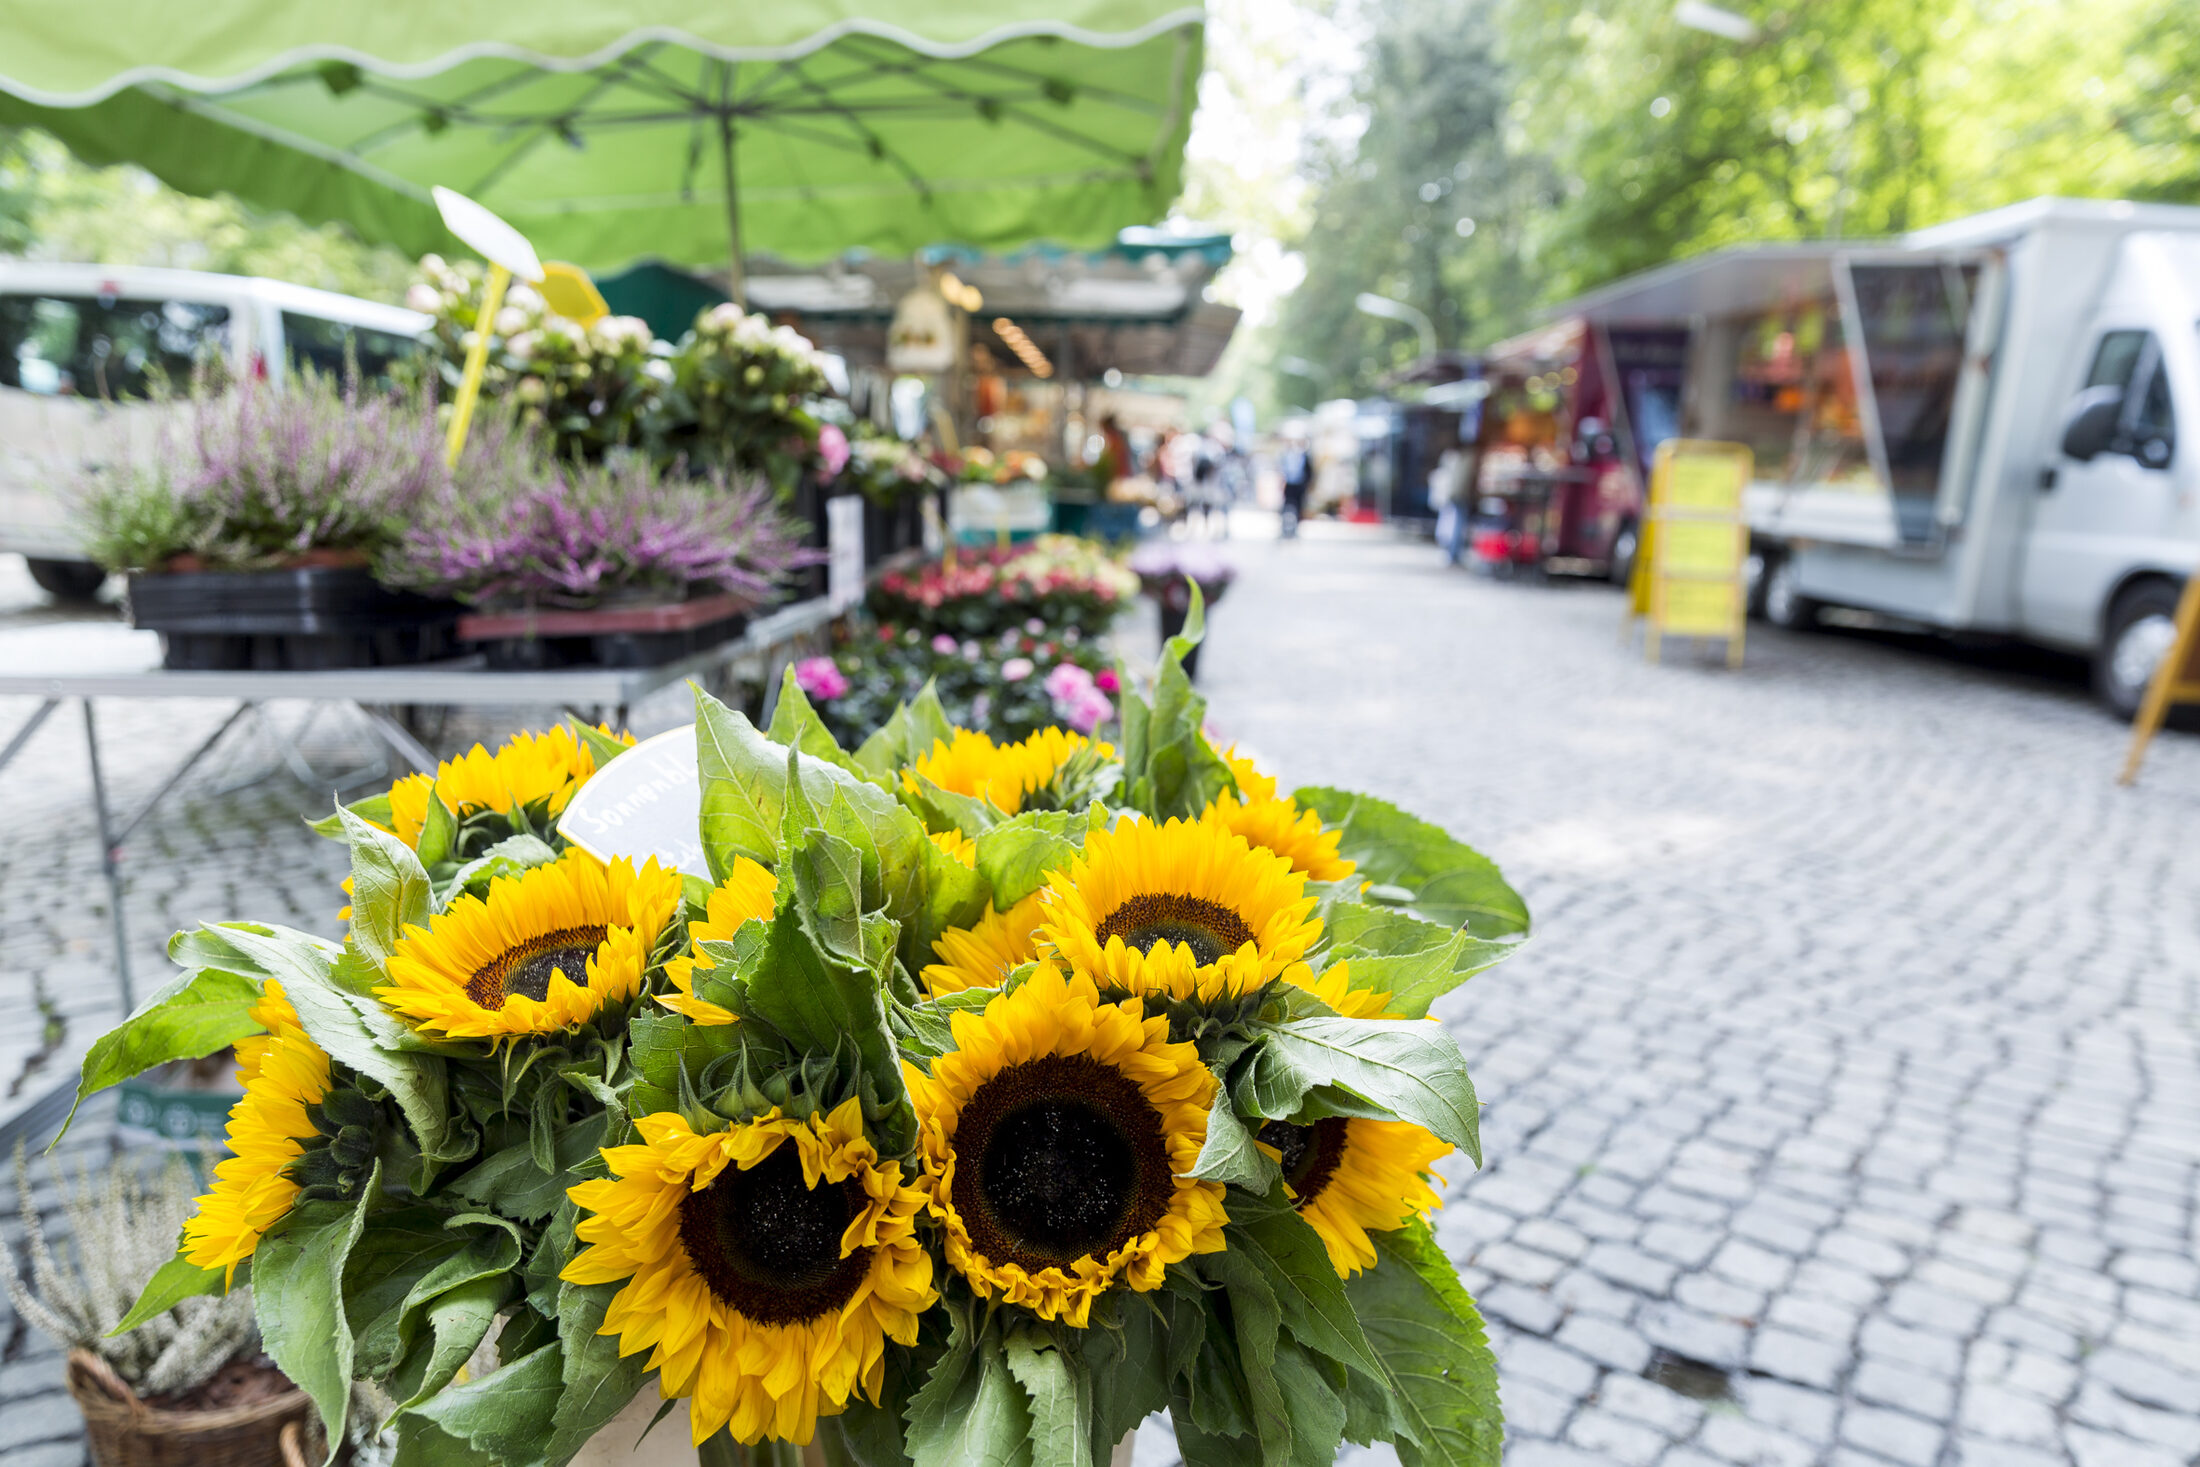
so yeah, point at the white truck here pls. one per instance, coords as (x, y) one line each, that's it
(1973, 427)
(82, 345)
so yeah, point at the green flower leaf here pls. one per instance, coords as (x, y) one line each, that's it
(506, 1416)
(1409, 1068)
(601, 745)
(1017, 856)
(458, 1319)
(907, 736)
(1413, 961)
(1429, 1336)
(1230, 1154)
(374, 807)
(795, 724)
(1452, 884)
(389, 886)
(598, 1380)
(979, 1415)
(1125, 1357)
(1060, 1397)
(1168, 767)
(1309, 1295)
(387, 1263)
(173, 1282)
(298, 1295)
(196, 1013)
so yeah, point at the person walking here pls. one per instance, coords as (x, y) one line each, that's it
(1298, 475)
(1447, 491)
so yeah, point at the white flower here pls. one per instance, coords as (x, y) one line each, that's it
(572, 331)
(432, 265)
(523, 344)
(613, 332)
(531, 390)
(423, 297)
(1016, 669)
(524, 297)
(511, 321)
(659, 369)
(723, 317)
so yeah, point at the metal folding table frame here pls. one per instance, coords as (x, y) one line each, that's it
(110, 661)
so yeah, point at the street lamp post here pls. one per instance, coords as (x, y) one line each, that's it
(1390, 310)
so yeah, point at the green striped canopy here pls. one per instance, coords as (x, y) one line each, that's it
(608, 133)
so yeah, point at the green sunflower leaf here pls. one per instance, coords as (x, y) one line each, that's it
(1230, 1154)
(1060, 1394)
(598, 1380)
(907, 736)
(298, 1296)
(1409, 1068)
(438, 834)
(1317, 1413)
(943, 809)
(1017, 856)
(953, 896)
(1253, 1324)
(796, 725)
(1168, 767)
(1125, 1356)
(1452, 884)
(1429, 1336)
(599, 744)
(457, 1321)
(194, 1014)
(374, 807)
(508, 857)
(1310, 1297)
(505, 1416)
(1413, 961)
(972, 1412)
(173, 1282)
(389, 887)
(386, 1264)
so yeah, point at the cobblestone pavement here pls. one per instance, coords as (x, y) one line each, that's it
(1849, 1079)
(1848, 1082)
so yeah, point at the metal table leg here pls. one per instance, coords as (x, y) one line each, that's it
(399, 738)
(30, 726)
(110, 861)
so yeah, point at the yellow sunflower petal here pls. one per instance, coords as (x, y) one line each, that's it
(745, 895)
(1349, 1178)
(529, 769)
(984, 955)
(763, 1330)
(1046, 1061)
(1188, 909)
(546, 951)
(1292, 833)
(958, 845)
(1005, 775)
(284, 1073)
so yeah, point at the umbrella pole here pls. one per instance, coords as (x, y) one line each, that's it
(736, 278)
(477, 359)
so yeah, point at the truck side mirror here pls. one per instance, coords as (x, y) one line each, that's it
(2089, 428)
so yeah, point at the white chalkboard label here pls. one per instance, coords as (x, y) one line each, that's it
(647, 802)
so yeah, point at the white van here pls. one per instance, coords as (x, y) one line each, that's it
(1973, 427)
(81, 346)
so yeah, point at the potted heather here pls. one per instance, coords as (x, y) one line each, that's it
(1168, 569)
(247, 525)
(616, 564)
(188, 1383)
(893, 477)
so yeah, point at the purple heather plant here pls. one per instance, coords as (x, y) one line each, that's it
(249, 478)
(517, 529)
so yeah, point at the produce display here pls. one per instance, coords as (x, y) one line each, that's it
(977, 1100)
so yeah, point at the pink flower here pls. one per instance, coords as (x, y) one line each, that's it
(832, 448)
(1087, 710)
(1106, 681)
(821, 678)
(1016, 669)
(945, 645)
(1067, 681)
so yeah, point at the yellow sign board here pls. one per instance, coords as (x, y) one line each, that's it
(2176, 680)
(1690, 569)
(567, 290)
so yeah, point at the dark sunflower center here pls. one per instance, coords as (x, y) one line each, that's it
(526, 968)
(769, 1246)
(1061, 1158)
(1310, 1154)
(1209, 929)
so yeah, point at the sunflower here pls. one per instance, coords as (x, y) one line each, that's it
(529, 768)
(1055, 1138)
(547, 950)
(767, 1263)
(958, 845)
(984, 955)
(1294, 834)
(746, 894)
(1351, 1177)
(1003, 774)
(1252, 785)
(284, 1074)
(1188, 909)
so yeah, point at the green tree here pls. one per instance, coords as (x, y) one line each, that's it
(1426, 205)
(54, 207)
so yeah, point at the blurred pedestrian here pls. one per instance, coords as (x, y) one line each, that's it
(1447, 487)
(1298, 475)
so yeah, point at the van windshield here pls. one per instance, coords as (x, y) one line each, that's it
(105, 347)
(319, 343)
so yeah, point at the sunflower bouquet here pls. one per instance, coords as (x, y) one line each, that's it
(966, 1102)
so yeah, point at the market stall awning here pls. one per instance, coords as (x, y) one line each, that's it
(611, 133)
(1138, 306)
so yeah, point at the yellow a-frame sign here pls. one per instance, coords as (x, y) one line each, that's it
(1691, 577)
(2176, 680)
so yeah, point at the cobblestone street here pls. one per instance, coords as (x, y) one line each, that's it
(1853, 1056)
(1844, 1107)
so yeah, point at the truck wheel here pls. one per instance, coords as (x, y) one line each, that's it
(1785, 605)
(2142, 626)
(1625, 545)
(66, 580)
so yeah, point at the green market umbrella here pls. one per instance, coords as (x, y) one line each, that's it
(686, 130)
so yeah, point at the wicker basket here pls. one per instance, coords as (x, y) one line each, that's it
(125, 1432)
